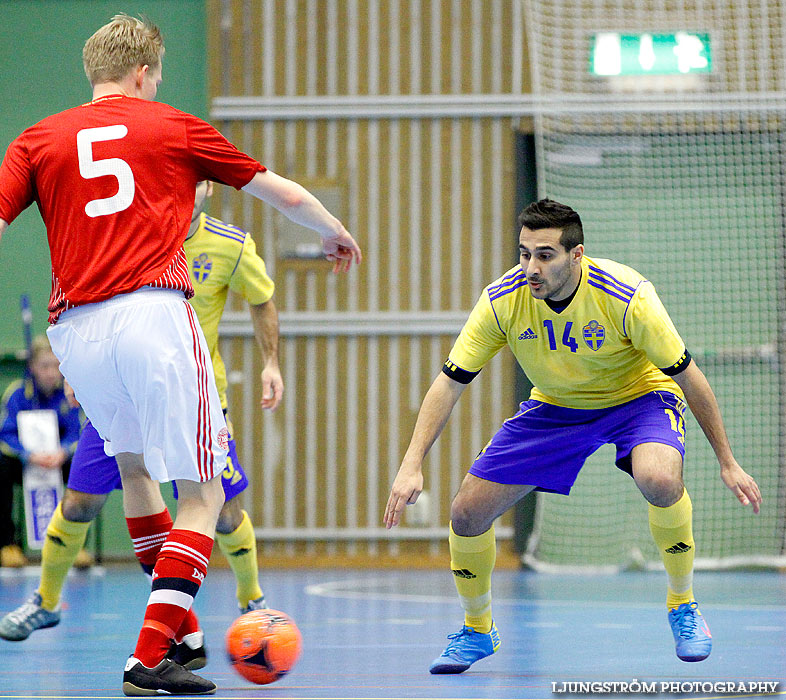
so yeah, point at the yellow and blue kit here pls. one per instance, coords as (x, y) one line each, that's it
(223, 257)
(600, 368)
(604, 349)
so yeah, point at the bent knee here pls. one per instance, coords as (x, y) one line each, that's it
(661, 490)
(466, 521)
(230, 517)
(79, 507)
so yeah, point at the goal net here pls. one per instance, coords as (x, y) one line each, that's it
(664, 126)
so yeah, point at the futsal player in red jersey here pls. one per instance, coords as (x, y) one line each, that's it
(114, 180)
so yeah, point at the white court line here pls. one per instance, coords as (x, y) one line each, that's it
(34, 571)
(364, 621)
(764, 628)
(333, 589)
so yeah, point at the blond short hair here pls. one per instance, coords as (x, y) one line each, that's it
(121, 46)
(39, 346)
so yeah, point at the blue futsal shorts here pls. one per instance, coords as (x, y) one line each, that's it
(93, 471)
(546, 446)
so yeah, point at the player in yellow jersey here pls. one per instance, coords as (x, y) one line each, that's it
(221, 257)
(607, 366)
(224, 257)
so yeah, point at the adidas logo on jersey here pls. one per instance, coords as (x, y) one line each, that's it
(679, 548)
(528, 334)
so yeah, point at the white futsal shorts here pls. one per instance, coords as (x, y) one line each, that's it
(140, 367)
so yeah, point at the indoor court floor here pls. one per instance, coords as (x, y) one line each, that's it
(372, 634)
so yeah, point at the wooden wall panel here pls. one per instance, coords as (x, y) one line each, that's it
(430, 200)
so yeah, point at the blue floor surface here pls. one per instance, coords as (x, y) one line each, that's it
(372, 634)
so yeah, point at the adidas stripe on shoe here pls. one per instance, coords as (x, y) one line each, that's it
(22, 622)
(691, 635)
(465, 648)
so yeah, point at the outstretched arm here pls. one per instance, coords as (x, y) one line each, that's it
(433, 415)
(704, 405)
(264, 318)
(302, 207)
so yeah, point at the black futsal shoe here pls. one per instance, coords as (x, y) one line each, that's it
(188, 656)
(168, 678)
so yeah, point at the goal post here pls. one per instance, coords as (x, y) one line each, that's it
(680, 176)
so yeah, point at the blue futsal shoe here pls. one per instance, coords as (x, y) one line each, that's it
(465, 648)
(691, 634)
(256, 604)
(27, 618)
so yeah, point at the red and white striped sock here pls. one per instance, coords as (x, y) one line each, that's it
(148, 533)
(180, 569)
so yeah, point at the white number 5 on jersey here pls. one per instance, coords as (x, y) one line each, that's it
(118, 168)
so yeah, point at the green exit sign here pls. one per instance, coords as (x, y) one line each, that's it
(650, 54)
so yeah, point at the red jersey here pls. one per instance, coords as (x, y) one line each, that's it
(114, 180)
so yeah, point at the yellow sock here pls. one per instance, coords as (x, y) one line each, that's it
(63, 541)
(672, 530)
(240, 549)
(472, 561)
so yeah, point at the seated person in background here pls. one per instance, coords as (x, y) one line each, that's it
(41, 390)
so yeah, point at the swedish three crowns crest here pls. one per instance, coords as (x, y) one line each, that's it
(201, 266)
(594, 335)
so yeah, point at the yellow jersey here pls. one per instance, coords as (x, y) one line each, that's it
(223, 257)
(603, 349)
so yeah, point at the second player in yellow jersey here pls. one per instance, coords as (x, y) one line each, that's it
(223, 257)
